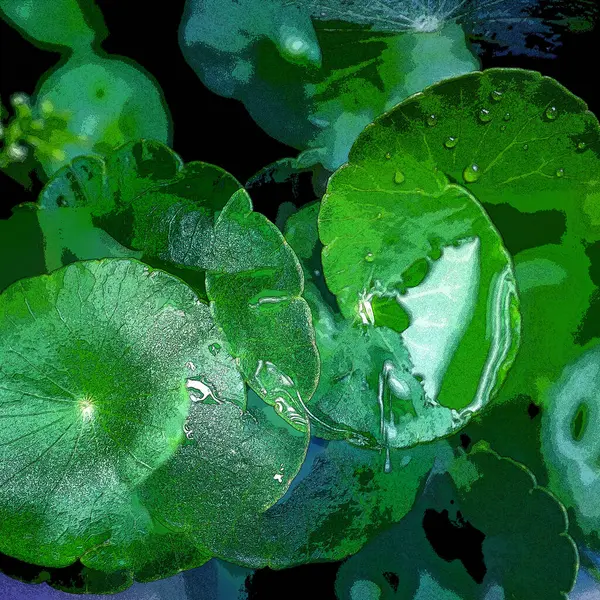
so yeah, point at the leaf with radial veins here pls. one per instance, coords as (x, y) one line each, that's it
(423, 274)
(524, 147)
(83, 350)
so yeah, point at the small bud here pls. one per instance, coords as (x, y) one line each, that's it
(47, 107)
(19, 100)
(17, 152)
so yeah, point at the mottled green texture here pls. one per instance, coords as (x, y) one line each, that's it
(336, 507)
(96, 358)
(55, 22)
(525, 548)
(21, 236)
(425, 263)
(315, 84)
(109, 101)
(256, 296)
(184, 219)
(571, 444)
(235, 466)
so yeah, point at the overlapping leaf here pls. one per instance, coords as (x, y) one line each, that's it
(183, 220)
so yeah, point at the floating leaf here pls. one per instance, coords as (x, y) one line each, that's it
(96, 358)
(109, 101)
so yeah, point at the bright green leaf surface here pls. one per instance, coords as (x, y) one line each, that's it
(484, 525)
(256, 296)
(94, 391)
(368, 364)
(526, 148)
(55, 22)
(183, 220)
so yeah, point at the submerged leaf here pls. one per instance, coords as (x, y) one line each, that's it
(482, 529)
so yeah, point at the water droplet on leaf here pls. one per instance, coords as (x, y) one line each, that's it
(581, 146)
(399, 177)
(432, 120)
(496, 95)
(369, 257)
(388, 155)
(525, 146)
(451, 142)
(484, 115)
(471, 173)
(560, 172)
(506, 117)
(551, 113)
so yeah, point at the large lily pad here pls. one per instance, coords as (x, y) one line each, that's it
(94, 393)
(527, 149)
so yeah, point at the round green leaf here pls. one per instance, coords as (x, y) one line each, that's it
(94, 393)
(528, 150)
(253, 292)
(234, 466)
(370, 363)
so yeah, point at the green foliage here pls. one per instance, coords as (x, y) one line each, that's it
(109, 101)
(187, 218)
(315, 84)
(341, 499)
(483, 525)
(526, 149)
(74, 24)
